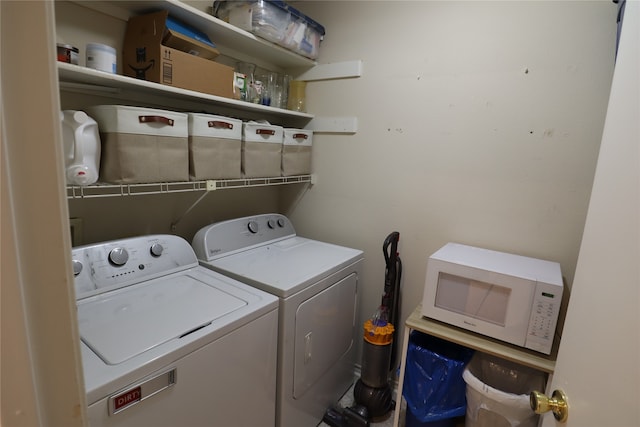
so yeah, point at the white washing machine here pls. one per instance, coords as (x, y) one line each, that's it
(317, 284)
(166, 342)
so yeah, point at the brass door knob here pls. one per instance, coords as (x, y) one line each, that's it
(556, 404)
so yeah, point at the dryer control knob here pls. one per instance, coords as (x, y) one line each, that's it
(156, 249)
(118, 256)
(253, 227)
(271, 223)
(280, 222)
(77, 267)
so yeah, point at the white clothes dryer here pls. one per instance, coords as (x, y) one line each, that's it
(166, 342)
(317, 284)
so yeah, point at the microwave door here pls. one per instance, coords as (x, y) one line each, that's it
(495, 306)
(473, 298)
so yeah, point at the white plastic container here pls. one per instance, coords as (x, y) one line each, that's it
(101, 57)
(296, 152)
(81, 142)
(261, 150)
(142, 145)
(215, 144)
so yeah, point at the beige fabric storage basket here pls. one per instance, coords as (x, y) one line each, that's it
(214, 147)
(261, 150)
(296, 152)
(142, 145)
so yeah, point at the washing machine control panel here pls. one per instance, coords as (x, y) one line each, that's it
(111, 265)
(227, 237)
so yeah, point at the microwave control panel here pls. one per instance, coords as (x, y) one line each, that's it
(544, 317)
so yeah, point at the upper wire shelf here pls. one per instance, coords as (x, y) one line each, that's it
(119, 190)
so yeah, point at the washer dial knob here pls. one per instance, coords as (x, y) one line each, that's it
(118, 256)
(77, 267)
(271, 223)
(156, 249)
(253, 227)
(280, 222)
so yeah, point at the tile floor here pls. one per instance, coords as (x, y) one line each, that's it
(384, 421)
(387, 420)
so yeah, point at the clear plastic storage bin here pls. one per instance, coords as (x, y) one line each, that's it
(275, 21)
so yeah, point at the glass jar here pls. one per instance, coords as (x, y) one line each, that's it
(281, 92)
(269, 81)
(296, 100)
(247, 93)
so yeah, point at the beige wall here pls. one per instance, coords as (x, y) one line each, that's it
(456, 142)
(479, 122)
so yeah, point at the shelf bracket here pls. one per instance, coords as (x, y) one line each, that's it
(211, 185)
(337, 70)
(348, 125)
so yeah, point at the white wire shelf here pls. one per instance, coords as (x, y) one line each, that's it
(120, 190)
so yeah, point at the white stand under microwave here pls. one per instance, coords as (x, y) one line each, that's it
(508, 297)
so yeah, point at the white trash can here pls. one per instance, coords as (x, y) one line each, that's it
(498, 392)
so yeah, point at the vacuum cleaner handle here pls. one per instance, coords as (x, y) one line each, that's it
(395, 314)
(390, 256)
(393, 272)
(392, 239)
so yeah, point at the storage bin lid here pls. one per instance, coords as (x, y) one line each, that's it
(260, 132)
(208, 125)
(138, 120)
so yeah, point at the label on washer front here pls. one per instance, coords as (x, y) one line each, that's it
(127, 398)
(136, 394)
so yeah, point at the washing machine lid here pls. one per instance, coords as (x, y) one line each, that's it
(125, 323)
(285, 267)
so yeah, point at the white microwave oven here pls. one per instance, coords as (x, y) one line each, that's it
(508, 297)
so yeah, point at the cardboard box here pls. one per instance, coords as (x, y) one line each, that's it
(146, 58)
(185, 44)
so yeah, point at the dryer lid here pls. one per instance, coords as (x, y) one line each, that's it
(287, 266)
(128, 322)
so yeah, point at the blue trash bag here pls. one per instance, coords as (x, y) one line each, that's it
(433, 386)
